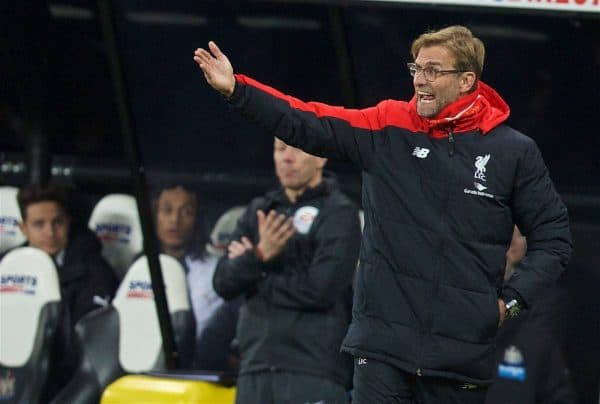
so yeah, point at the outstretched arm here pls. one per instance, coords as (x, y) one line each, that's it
(317, 128)
(217, 68)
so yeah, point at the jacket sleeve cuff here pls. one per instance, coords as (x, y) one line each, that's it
(509, 294)
(235, 97)
(250, 262)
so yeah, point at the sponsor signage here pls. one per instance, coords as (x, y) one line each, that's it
(113, 232)
(13, 283)
(586, 6)
(9, 225)
(140, 290)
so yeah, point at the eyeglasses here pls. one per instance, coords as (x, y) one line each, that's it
(429, 72)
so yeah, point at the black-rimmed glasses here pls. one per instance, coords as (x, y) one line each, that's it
(430, 73)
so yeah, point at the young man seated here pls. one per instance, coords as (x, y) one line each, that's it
(86, 279)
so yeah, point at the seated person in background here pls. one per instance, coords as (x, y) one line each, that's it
(182, 233)
(217, 348)
(292, 258)
(86, 280)
(531, 368)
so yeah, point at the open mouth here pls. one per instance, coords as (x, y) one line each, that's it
(425, 97)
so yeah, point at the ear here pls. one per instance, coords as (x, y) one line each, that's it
(23, 229)
(467, 81)
(322, 162)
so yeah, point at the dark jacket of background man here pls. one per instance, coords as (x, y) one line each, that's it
(86, 280)
(298, 306)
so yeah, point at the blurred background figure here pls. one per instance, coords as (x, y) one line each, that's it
(86, 279)
(220, 236)
(216, 347)
(182, 232)
(531, 367)
(292, 258)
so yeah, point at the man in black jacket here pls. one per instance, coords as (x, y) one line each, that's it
(444, 182)
(531, 367)
(293, 256)
(86, 279)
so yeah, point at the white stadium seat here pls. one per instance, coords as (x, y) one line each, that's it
(225, 225)
(116, 221)
(10, 216)
(125, 337)
(29, 310)
(140, 342)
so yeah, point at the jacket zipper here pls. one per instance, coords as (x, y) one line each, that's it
(419, 371)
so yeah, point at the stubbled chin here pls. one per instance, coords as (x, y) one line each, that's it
(426, 110)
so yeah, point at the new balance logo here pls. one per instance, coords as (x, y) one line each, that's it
(420, 152)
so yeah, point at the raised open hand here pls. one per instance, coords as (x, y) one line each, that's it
(217, 68)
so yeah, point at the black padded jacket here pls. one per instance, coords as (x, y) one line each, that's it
(298, 306)
(441, 197)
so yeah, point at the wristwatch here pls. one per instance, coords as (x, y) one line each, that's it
(513, 308)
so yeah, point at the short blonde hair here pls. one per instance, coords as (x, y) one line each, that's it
(468, 50)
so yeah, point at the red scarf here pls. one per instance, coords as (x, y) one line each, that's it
(483, 110)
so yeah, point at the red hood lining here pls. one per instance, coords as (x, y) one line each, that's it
(482, 110)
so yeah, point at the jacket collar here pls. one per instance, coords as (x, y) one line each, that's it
(482, 110)
(82, 247)
(324, 188)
